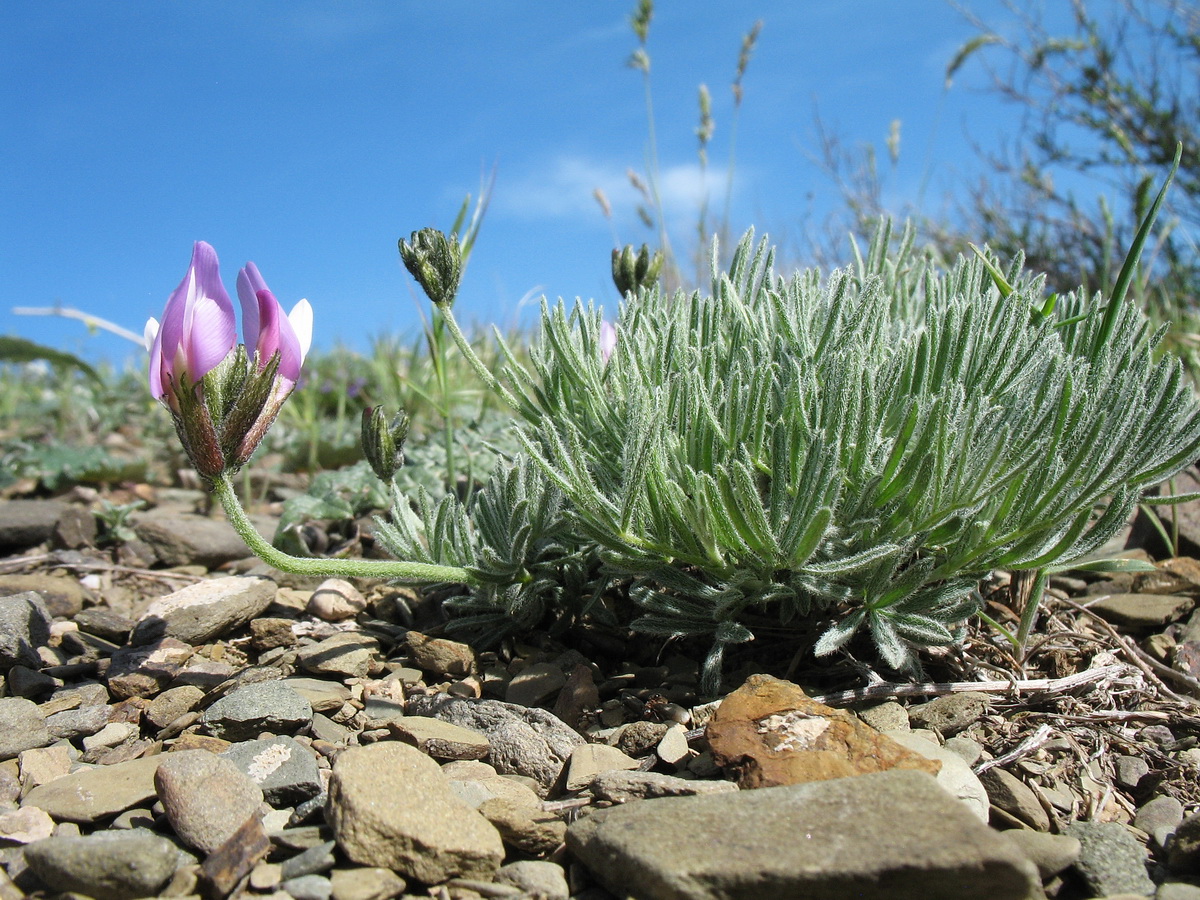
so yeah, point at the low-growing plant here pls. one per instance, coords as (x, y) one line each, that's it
(826, 454)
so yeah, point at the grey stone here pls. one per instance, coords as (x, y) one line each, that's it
(523, 741)
(76, 723)
(22, 726)
(534, 684)
(389, 805)
(173, 703)
(1011, 794)
(1177, 890)
(955, 777)
(324, 696)
(366, 883)
(112, 865)
(589, 760)
(105, 623)
(29, 683)
(833, 839)
(144, 671)
(25, 825)
(308, 887)
(312, 861)
(62, 595)
(91, 794)
(1111, 860)
(346, 655)
(1051, 853)
(950, 714)
(247, 712)
(183, 540)
(1129, 770)
(1184, 853)
(619, 786)
(441, 740)
(24, 626)
(545, 880)
(1161, 811)
(887, 716)
(283, 768)
(336, 599)
(25, 523)
(205, 610)
(206, 798)
(1141, 611)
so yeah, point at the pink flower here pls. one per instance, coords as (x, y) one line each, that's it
(197, 332)
(223, 397)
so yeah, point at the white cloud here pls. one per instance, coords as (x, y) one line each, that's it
(567, 186)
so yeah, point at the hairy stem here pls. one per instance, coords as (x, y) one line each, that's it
(340, 568)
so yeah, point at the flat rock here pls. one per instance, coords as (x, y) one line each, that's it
(205, 610)
(441, 740)
(1011, 794)
(181, 539)
(1111, 860)
(22, 727)
(283, 768)
(206, 798)
(91, 794)
(24, 626)
(619, 787)
(145, 671)
(955, 776)
(1051, 853)
(589, 760)
(25, 825)
(834, 838)
(345, 655)
(365, 883)
(173, 703)
(440, 656)
(323, 695)
(528, 829)
(537, 878)
(523, 741)
(26, 523)
(769, 732)
(950, 714)
(110, 865)
(535, 684)
(1142, 610)
(76, 723)
(62, 595)
(247, 712)
(389, 805)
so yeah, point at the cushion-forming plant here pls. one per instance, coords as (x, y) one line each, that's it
(853, 451)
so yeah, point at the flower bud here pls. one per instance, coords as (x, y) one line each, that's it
(435, 261)
(383, 444)
(631, 272)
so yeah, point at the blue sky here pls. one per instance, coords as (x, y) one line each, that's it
(309, 136)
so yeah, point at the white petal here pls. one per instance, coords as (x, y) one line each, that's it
(150, 332)
(301, 318)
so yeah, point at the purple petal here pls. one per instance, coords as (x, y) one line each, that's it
(608, 340)
(276, 334)
(249, 283)
(198, 320)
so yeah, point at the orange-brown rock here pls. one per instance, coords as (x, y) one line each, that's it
(770, 733)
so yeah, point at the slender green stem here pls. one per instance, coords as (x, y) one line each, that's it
(341, 568)
(1033, 602)
(481, 370)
